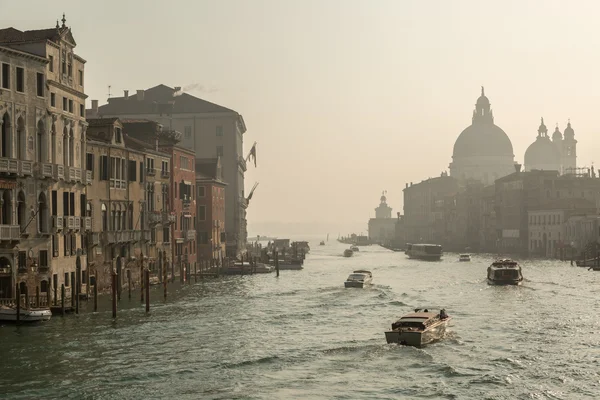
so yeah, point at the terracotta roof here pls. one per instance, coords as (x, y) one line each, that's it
(101, 121)
(12, 35)
(160, 100)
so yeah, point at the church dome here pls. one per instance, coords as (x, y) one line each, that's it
(569, 132)
(482, 139)
(542, 153)
(557, 136)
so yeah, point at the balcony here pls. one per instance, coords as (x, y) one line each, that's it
(57, 223)
(10, 232)
(150, 171)
(87, 223)
(168, 218)
(25, 168)
(95, 238)
(58, 172)
(73, 174)
(77, 223)
(9, 165)
(165, 174)
(186, 204)
(190, 235)
(70, 223)
(88, 177)
(155, 217)
(242, 163)
(122, 237)
(146, 236)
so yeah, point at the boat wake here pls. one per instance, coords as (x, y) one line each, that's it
(262, 360)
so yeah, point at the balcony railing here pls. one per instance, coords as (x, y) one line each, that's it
(88, 177)
(95, 238)
(70, 223)
(87, 223)
(25, 168)
(165, 174)
(9, 165)
(58, 172)
(168, 218)
(57, 222)
(242, 163)
(46, 170)
(146, 236)
(150, 171)
(73, 174)
(155, 217)
(190, 235)
(186, 203)
(10, 232)
(77, 223)
(122, 236)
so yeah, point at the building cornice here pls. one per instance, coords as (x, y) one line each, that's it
(67, 89)
(24, 54)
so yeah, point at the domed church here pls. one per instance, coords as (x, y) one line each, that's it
(558, 154)
(482, 151)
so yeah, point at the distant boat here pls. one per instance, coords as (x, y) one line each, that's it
(432, 252)
(358, 279)
(418, 328)
(354, 248)
(9, 313)
(504, 272)
(348, 253)
(464, 257)
(322, 243)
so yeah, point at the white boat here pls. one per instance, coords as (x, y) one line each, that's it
(504, 272)
(359, 279)
(9, 313)
(464, 257)
(262, 268)
(418, 328)
(431, 252)
(354, 248)
(348, 253)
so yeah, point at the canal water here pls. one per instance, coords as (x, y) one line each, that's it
(304, 336)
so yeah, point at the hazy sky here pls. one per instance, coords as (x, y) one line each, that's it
(347, 98)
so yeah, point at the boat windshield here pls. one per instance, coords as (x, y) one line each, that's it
(507, 273)
(356, 277)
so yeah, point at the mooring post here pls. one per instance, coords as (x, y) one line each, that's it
(195, 272)
(37, 296)
(55, 294)
(165, 274)
(277, 263)
(129, 283)
(18, 301)
(72, 295)
(96, 294)
(114, 293)
(77, 280)
(142, 277)
(62, 299)
(147, 285)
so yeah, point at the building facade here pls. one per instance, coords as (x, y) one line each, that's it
(210, 210)
(42, 149)
(209, 129)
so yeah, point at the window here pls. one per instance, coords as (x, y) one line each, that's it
(80, 77)
(53, 99)
(55, 245)
(20, 79)
(67, 244)
(166, 235)
(183, 162)
(5, 76)
(70, 66)
(219, 151)
(40, 84)
(22, 259)
(132, 171)
(65, 104)
(81, 110)
(64, 62)
(43, 258)
(141, 171)
(118, 138)
(54, 202)
(201, 191)
(201, 213)
(188, 132)
(70, 106)
(219, 130)
(103, 168)
(66, 279)
(51, 63)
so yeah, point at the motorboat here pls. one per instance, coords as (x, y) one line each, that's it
(464, 257)
(430, 252)
(358, 279)
(588, 263)
(504, 272)
(348, 253)
(9, 313)
(419, 328)
(322, 243)
(354, 248)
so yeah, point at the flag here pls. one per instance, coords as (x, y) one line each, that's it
(252, 154)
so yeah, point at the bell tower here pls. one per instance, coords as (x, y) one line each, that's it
(569, 149)
(383, 211)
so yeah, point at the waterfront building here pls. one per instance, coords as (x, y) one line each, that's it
(547, 225)
(382, 228)
(558, 154)
(424, 205)
(115, 203)
(483, 151)
(488, 240)
(210, 210)
(42, 149)
(583, 233)
(182, 188)
(209, 129)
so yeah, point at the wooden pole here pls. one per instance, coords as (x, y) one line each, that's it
(142, 277)
(62, 299)
(37, 296)
(18, 301)
(277, 263)
(55, 295)
(72, 295)
(129, 283)
(96, 294)
(165, 274)
(114, 293)
(195, 272)
(77, 282)
(147, 286)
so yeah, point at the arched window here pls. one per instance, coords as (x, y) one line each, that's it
(42, 213)
(53, 144)
(113, 218)
(21, 139)
(71, 148)
(117, 225)
(21, 211)
(65, 147)
(124, 218)
(130, 215)
(6, 208)
(44, 286)
(41, 137)
(88, 209)
(104, 217)
(5, 140)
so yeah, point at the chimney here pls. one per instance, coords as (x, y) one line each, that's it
(177, 88)
(95, 106)
(126, 94)
(518, 167)
(140, 95)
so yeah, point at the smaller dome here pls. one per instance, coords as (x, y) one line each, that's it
(383, 199)
(483, 100)
(569, 132)
(542, 128)
(542, 152)
(556, 136)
